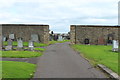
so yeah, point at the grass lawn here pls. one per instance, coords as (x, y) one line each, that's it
(26, 44)
(99, 54)
(53, 42)
(39, 49)
(20, 54)
(13, 69)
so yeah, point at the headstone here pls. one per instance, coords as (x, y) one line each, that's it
(10, 42)
(115, 45)
(20, 43)
(86, 41)
(34, 37)
(31, 45)
(101, 41)
(4, 38)
(11, 36)
(9, 46)
(60, 38)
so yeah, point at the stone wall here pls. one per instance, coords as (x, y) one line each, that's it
(95, 33)
(25, 31)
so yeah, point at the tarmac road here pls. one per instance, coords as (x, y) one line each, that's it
(61, 61)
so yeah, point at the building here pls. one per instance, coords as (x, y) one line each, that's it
(26, 30)
(93, 34)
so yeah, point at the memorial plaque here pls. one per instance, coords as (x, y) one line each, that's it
(34, 37)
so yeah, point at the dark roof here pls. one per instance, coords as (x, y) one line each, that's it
(24, 25)
(112, 26)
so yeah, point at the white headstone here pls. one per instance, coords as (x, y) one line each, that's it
(8, 47)
(4, 38)
(115, 45)
(20, 43)
(60, 38)
(11, 36)
(31, 45)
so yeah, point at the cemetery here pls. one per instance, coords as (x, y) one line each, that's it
(19, 46)
(98, 44)
(35, 32)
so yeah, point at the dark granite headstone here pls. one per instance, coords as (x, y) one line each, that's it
(86, 41)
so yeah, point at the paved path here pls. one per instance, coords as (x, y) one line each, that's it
(61, 61)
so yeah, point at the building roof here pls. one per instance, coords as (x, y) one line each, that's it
(112, 26)
(24, 25)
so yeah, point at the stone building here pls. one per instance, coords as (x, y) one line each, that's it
(26, 30)
(93, 34)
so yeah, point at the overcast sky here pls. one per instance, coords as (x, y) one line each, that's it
(59, 14)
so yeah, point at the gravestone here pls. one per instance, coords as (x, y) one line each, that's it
(86, 41)
(11, 36)
(9, 42)
(34, 37)
(60, 38)
(31, 45)
(115, 45)
(20, 43)
(9, 46)
(101, 41)
(4, 38)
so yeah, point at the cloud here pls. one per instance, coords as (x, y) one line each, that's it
(59, 14)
